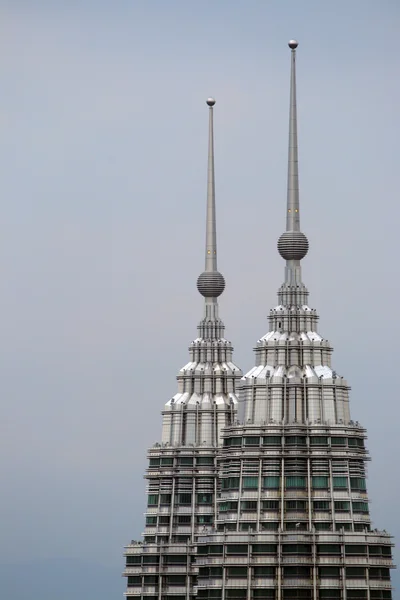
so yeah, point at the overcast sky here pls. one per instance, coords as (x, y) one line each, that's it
(103, 177)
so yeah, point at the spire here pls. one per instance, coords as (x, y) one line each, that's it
(293, 245)
(211, 283)
(293, 205)
(211, 232)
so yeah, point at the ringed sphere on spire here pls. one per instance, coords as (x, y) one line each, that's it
(293, 44)
(293, 245)
(211, 284)
(210, 101)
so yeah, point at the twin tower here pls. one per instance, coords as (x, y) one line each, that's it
(268, 500)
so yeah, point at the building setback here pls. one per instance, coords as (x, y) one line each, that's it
(272, 503)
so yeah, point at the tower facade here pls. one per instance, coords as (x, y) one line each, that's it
(276, 499)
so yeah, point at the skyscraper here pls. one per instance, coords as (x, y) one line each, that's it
(270, 503)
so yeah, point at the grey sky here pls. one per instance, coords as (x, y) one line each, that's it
(103, 153)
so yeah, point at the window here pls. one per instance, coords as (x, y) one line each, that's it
(248, 505)
(378, 594)
(215, 571)
(356, 594)
(225, 506)
(295, 440)
(295, 482)
(185, 461)
(151, 559)
(297, 593)
(355, 549)
(236, 549)
(264, 594)
(293, 526)
(329, 594)
(151, 520)
(205, 460)
(236, 593)
(184, 498)
(271, 482)
(133, 560)
(165, 499)
(176, 579)
(248, 526)
(319, 441)
(250, 483)
(321, 505)
(297, 505)
(272, 440)
(167, 462)
(154, 462)
(296, 571)
(356, 443)
(270, 504)
(338, 441)
(270, 526)
(320, 482)
(385, 551)
(379, 573)
(335, 441)
(355, 572)
(358, 484)
(339, 483)
(264, 571)
(237, 571)
(251, 441)
(215, 550)
(134, 581)
(329, 572)
(328, 548)
(164, 520)
(175, 559)
(150, 580)
(204, 519)
(296, 549)
(184, 519)
(231, 483)
(323, 526)
(344, 526)
(233, 441)
(341, 506)
(264, 548)
(204, 498)
(360, 507)
(152, 500)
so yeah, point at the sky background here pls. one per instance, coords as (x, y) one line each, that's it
(103, 176)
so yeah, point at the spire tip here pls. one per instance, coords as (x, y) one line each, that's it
(293, 44)
(210, 102)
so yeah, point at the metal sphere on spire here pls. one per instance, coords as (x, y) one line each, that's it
(293, 44)
(293, 245)
(211, 284)
(211, 101)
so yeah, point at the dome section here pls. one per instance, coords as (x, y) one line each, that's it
(211, 284)
(293, 245)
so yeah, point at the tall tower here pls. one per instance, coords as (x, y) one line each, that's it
(275, 506)
(182, 473)
(293, 515)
